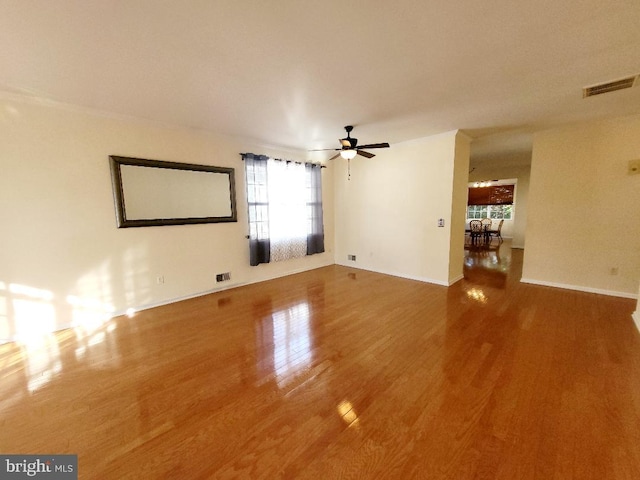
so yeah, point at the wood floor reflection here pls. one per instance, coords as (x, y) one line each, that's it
(342, 373)
(490, 264)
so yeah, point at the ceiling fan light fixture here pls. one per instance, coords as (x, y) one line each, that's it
(348, 154)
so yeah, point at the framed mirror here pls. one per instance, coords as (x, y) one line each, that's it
(154, 192)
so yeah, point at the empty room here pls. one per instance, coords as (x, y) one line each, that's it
(318, 240)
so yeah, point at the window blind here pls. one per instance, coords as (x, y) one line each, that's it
(494, 195)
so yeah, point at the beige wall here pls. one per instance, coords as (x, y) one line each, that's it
(459, 206)
(62, 259)
(388, 211)
(583, 215)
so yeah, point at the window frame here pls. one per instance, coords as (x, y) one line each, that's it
(494, 212)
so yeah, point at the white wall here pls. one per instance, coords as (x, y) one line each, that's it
(583, 215)
(62, 259)
(388, 211)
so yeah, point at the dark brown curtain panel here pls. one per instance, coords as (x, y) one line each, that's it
(258, 202)
(315, 234)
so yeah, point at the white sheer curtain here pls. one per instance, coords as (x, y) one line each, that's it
(287, 209)
(284, 200)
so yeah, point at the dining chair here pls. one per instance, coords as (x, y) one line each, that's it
(486, 227)
(475, 228)
(497, 232)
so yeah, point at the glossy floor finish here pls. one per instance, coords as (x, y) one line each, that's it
(342, 373)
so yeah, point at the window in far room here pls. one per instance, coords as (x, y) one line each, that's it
(491, 199)
(497, 212)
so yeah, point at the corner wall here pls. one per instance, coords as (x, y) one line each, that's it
(388, 211)
(583, 219)
(459, 207)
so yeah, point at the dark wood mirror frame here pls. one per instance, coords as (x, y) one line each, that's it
(218, 182)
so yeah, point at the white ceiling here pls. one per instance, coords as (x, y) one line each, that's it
(292, 73)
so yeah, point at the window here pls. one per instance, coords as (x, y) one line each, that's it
(477, 211)
(285, 209)
(498, 212)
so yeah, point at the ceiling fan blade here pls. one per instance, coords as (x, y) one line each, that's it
(335, 156)
(324, 149)
(375, 145)
(364, 154)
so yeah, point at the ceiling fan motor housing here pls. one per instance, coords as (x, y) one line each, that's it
(348, 142)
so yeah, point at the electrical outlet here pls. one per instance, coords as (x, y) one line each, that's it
(634, 167)
(613, 271)
(351, 257)
(160, 279)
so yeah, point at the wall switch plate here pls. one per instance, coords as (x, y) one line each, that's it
(634, 167)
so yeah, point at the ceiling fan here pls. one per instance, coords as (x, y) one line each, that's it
(350, 147)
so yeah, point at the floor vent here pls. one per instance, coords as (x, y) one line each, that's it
(223, 277)
(610, 86)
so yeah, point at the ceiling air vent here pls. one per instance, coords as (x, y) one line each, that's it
(609, 86)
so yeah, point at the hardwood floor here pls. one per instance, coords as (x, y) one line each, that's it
(342, 373)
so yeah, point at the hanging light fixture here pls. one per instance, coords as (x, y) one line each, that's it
(483, 184)
(348, 154)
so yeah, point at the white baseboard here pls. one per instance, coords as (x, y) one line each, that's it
(396, 274)
(579, 288)
(227, 286)
(169, 301)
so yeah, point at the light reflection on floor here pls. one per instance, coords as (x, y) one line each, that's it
(291, 341)
(348, 414)
(284, 342)
(30, 317)
(487, 265)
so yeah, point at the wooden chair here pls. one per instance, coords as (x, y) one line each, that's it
(475, 228)
(486, 227)
(497, 232)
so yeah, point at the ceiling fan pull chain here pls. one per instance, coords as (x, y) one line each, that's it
(349, 169)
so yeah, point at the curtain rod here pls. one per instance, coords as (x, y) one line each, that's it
(288, 161)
